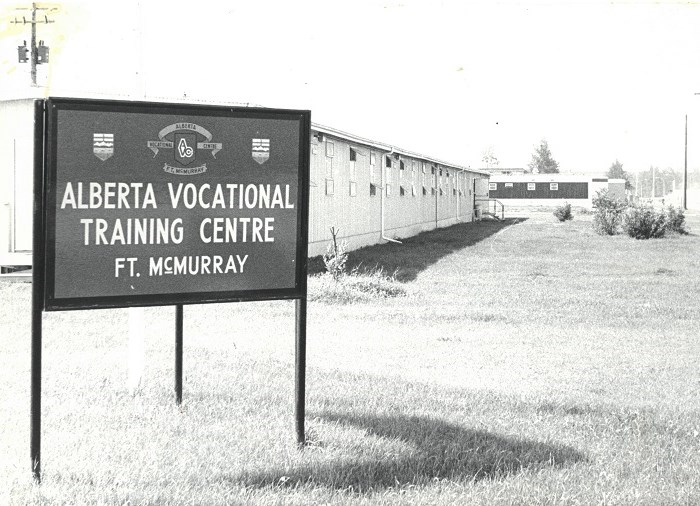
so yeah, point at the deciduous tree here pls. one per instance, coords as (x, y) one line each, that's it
(489, 159)
(617, 172)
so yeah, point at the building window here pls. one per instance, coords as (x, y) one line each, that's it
(388, 161)
(330, 148)
(425, 191)
(353, 155)
(329, 187)
(493, 186)
(432, 170)
(413, 190)
(388, 189)
(353, 189)
(372, 190)
(509, 185)
(553, 186)
(353, 172)
(531, 186)
(454, 192)
(402, 166)
(402, 191)
(372, 159)
(423, 167)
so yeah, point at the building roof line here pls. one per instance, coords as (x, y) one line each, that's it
(388, 147)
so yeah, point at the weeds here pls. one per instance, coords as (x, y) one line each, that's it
(356, 286)
(336, 255)
(337, 286)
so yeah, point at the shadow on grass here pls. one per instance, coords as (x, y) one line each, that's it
(419, 252)
(423, 449)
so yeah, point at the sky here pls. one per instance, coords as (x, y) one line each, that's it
(599, 81)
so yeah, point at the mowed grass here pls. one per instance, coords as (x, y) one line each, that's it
(525, 362)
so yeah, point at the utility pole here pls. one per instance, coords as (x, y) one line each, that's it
(685, 169)
(38, 54)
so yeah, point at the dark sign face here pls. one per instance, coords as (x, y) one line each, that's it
(151, 204)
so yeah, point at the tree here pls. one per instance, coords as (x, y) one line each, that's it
(657, 183)
(542, 161)
(489, 158)
(617, 172)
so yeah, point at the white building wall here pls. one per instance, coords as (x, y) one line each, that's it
(358, 217)
(16, 180)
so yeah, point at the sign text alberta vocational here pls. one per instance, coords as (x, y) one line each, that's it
(214, 206)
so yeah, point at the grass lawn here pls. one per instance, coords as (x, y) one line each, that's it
(527, 362)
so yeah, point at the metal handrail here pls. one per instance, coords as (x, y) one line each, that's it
(495, 203)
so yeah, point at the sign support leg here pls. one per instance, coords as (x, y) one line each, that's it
(300, 370)
(35, 411)
(37, 292)
(178, 353)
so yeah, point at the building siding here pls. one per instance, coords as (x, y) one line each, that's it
(358, 217)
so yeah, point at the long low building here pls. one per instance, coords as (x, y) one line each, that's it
(373, 192)
(525, 190)
(370, 191)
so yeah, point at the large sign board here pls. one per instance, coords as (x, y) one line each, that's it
(152, 204)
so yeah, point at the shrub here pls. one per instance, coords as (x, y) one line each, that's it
(608, 213)
(336, 255)
(675, 220)
(644, 222)
(607, 221)
(563, 213)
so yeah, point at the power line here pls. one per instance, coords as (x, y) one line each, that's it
(38, 54)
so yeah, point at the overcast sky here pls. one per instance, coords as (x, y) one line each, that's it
(598, 80)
